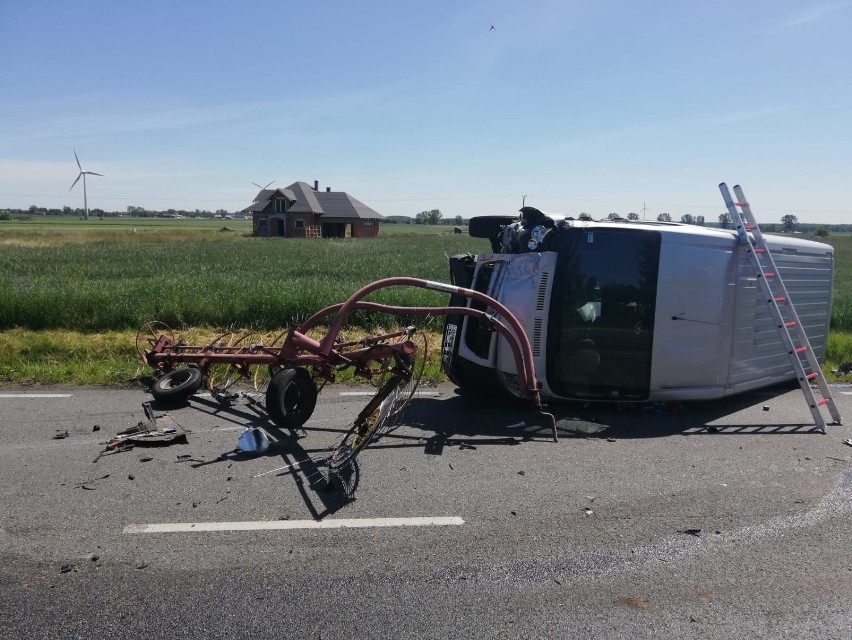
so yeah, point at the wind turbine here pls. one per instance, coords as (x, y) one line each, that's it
(259, 187)
(83, 175)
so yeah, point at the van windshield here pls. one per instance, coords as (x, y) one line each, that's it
(601, 322)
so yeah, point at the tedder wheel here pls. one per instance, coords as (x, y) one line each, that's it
(177, 385)
(360, 434)
(291, 397)
(148, 336)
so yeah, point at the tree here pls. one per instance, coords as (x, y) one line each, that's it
(435, 216)
(632, 216)
(789, 221)
(687, 218)
(664, 217)
(459, 221)
(821, 232)
(725, 220)
(699, 220)
(421, 218)
(613, 216)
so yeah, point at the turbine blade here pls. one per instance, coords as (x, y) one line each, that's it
(92, 173)
(78, 160)
(267, 186)
(76, 181)
(257, 185)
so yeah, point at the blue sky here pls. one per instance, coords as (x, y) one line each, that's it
(593, 106)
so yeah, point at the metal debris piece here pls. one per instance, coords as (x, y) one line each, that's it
(692, 532)
(60, 435)
(848, 441)
(588, 511)
(156, 430)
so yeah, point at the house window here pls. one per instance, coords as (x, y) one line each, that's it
(368, 225)
(300, 224)
(261, 225)
(280, 205)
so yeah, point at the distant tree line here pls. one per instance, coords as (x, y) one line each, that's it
(131, 211)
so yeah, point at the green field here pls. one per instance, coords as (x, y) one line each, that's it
(74, 292)
(186, 273)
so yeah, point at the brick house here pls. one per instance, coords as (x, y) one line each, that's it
(299, 211)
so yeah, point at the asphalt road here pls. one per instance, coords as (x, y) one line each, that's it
(727, 519)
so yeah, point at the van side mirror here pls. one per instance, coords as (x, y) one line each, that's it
(489, 227)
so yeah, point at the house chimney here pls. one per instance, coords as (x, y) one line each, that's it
(316, 185)
(328, 189)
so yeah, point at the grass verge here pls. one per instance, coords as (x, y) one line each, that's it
(110, 358)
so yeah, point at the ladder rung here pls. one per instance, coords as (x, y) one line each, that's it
(768, 274)
(760, 250)
(741, 204)
(749, 227)
(780, 299)
(823, 401)
(801, 349)
(790, 325)
(811, 376)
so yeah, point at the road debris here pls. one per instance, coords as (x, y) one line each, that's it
(253, 440)
(61, 435)
(157, 430)
(691, 532)
(87, 484)
(848, 441)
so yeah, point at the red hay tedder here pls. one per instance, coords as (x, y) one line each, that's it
(292, 373)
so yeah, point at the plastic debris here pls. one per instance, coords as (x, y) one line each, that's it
(691, 532)
(60, 435)
(848, 441)
(253, 440)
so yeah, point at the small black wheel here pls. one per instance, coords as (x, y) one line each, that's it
(177, 385)
(291, 398)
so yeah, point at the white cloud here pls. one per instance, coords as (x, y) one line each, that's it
(813, 14)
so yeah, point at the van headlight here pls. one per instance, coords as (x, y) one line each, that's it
(536, 236)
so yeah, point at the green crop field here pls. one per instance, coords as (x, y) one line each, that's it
(120, 276)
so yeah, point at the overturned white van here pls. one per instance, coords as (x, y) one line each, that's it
(632, 311)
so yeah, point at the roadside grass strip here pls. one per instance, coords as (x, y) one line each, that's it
(259, 525)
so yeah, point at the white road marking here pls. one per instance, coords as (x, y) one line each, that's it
(342, 523)
(846, 393)
(36, 395)
(372, 393)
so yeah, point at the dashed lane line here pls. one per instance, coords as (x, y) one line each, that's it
(341, 523)
(36, 395)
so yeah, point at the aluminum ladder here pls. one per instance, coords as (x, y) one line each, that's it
(805, 363)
